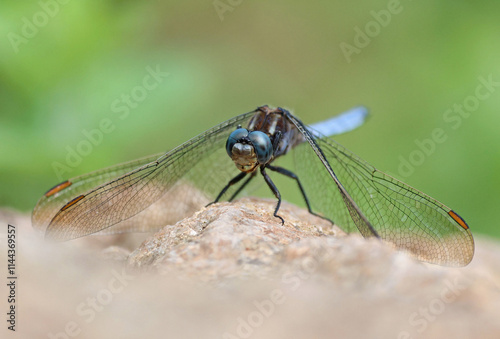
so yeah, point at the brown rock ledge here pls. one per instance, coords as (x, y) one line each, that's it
(233, 271)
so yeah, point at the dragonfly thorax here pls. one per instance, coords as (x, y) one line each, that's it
(248, 149)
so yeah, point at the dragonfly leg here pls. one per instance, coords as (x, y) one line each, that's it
(277, 139)
(252, 175)
(231, 182)
(274, 189)
(294, 176)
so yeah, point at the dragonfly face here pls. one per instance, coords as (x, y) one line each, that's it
(146, 194)
(248, 149)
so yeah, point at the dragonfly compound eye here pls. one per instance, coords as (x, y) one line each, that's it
(235, 137)
(262, 145)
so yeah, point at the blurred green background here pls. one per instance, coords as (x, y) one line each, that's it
(64, 66)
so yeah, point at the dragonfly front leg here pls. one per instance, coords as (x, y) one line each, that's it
(274, 189)
(252, 175)
(231, 182)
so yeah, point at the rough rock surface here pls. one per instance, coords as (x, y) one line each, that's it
(233, 240)
(233, 271)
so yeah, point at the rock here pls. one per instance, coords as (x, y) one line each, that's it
(233, 271)
(232, 239)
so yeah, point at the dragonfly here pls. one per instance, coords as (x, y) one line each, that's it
(149, 193)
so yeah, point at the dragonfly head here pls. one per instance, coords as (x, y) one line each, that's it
(248, 149)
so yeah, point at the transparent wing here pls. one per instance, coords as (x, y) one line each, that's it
(162, 190)
(52, 201)
(356, 196)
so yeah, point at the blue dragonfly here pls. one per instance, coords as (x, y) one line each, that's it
(148, 193)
